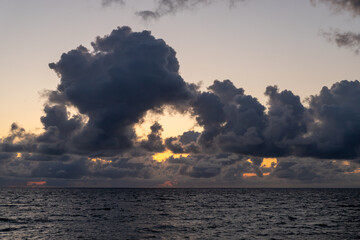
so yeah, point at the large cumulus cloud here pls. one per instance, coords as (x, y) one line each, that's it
(334, 127)
(127, 74)
(103, 93)
(237, 123)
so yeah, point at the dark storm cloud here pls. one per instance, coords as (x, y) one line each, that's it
(232, 121)
(210, 114)
(75, 167)
(296, 171)
(185, 143)
(200, 166)
(333, 124)
(44, 157)
(128, 74)
(314, 171)
(173, 145)
(58, 129)
(334, 129)
(287, 121)
(189, 137)
(206, 166)
(204, 171)
(225, 167)
(18, 140)
(348, 40)
(352, 6)
(154, 142)
(68, 170)
(6, 156)
(57, 119)
(122, 167)
(112, 87)
(237, 123)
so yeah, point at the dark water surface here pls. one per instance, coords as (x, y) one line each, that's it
(179, 213)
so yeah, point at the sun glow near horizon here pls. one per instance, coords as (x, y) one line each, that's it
(161, 157)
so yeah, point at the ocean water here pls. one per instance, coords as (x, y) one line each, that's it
(179, 213)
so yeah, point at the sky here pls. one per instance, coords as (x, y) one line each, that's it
(180, 93)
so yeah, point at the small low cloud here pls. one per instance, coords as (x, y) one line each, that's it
(107, 3)
(168, 184)
(166, 7)
(35, 184)
(351, 6)
(348, 40)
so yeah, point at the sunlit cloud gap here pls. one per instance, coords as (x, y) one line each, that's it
(161, 157)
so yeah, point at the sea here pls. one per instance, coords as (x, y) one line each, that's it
(55, 213)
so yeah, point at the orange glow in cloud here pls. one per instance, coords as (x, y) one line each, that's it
(249, 175)
(100, 160)
(346, 163)
(168, 184)
(160, 157)
(18, 155)
(268, 162)
(36, 184)
(354, 172)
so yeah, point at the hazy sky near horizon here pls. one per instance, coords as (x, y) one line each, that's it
(253, 43)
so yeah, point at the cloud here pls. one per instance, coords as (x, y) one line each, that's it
(154, 142)
(110, 89)
(202, 165)
(185, 143)
(6, 156)
(148, 15)
(304, 170)
(352, 6)
(334, 124)
(35, 184)
(348, 40)
(107, 3)
(126, 75)
(166, 7)
(168, 183)
(238, 123)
